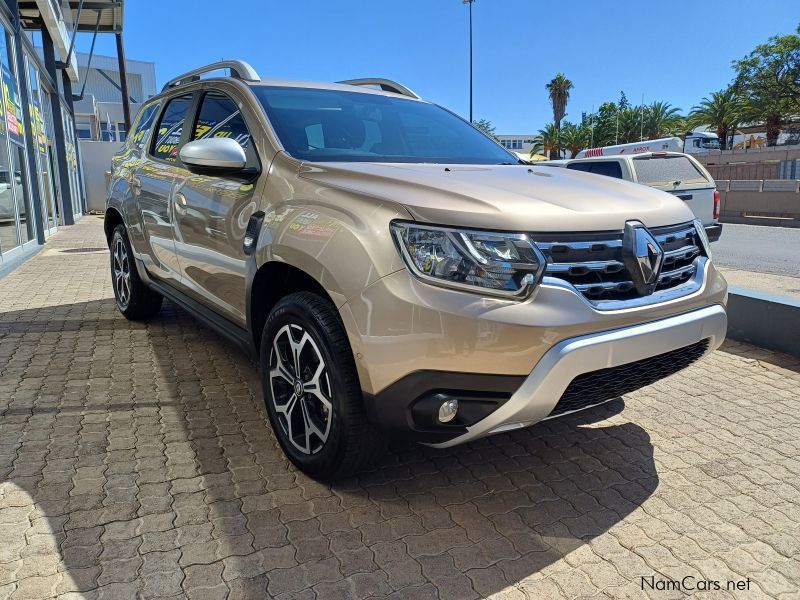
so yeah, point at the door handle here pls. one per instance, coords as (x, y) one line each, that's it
(685, 196)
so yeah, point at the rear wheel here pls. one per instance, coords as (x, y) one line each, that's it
(134, 299)
(311, 389)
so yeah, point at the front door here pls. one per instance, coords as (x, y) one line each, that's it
(212, 212)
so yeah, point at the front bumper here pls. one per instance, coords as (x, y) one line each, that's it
(541, 390)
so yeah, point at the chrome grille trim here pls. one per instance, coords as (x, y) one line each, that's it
(580, 245)
(596, 270)
(682, 273)
(605, 266)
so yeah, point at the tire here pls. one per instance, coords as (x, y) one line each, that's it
(324, 430)
(134, 299)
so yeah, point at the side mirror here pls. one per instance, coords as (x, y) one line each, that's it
(219, 154)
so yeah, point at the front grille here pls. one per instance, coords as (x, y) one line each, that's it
(593, 264)
(598, 386)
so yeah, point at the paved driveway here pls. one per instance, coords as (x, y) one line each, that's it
(135, 462)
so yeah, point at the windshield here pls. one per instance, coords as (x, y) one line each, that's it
(332, 125)
(710, 143)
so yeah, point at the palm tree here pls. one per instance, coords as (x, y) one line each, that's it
(630, 124)
(559, 89)
(723, 111)
(661, 119)
(574, 138)
(548, 141)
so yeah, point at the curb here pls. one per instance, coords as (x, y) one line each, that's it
(764, 319)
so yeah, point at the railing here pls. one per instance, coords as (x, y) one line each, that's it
(758, 185)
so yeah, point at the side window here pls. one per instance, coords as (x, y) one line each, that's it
(609, 168)
(165, 143)
(143, 125)
(580, 166)
(219, 116)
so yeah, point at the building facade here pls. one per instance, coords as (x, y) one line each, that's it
(41, 181)
(99, 115)
(519, 143)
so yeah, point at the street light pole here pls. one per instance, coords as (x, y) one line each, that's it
(470, 2)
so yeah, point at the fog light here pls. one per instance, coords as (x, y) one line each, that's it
(448, 410)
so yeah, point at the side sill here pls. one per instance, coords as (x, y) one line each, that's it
(220, 324)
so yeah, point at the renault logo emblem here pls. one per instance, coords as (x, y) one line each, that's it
(642, 256)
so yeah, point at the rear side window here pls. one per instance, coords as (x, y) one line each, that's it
(609, 168)
(170, 128)
(144, 124)
(662, 170)
(219, 116)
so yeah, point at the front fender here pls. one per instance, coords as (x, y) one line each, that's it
(342, 251)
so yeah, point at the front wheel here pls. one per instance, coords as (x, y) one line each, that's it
(311, 389)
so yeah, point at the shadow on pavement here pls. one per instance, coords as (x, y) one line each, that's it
(138, 458)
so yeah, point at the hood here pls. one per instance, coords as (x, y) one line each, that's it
(505, 197)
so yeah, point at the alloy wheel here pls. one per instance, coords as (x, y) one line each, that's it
(301, 389)
(122, 272)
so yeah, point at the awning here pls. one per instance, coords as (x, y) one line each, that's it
(111, 13)
(61, 17)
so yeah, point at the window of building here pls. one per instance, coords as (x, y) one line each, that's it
(170, 128)
(16, 135)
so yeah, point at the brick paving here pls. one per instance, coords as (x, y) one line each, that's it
(135, 461)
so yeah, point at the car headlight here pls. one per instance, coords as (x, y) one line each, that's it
(485, 262)
(703, 237)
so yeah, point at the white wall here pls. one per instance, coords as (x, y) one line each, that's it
(96, 158)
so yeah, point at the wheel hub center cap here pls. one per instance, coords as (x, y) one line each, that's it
(298, 388)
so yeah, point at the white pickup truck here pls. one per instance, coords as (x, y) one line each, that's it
(672, 172)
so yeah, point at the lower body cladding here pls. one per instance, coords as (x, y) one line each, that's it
(572, 375)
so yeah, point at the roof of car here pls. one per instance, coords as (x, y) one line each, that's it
(323, 85)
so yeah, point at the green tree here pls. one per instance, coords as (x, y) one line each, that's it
(661, 119)
(769, 81)
(558, 89)
(574, 138)
(722, 112)
(623, 100)
(630, 124)
(485, 126)
(548, 141)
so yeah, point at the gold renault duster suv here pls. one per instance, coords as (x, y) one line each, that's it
(396, 271)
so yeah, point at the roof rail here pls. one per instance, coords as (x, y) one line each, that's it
(239, 69)
(387, 85)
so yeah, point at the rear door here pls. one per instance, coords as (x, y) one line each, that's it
(681, 176)
(155, 181)
(212, 212)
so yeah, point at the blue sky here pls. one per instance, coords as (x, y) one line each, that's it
(676, 51)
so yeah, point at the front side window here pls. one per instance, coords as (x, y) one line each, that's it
(332, 125)
(170, 128)
(144, 124)
(219, 117)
